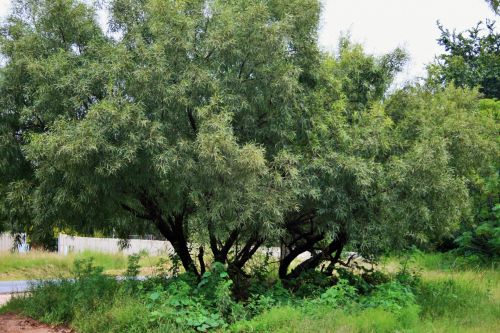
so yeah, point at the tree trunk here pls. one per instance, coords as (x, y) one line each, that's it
(336, 246)
(173, 231)
(295, 252)
(179, 242)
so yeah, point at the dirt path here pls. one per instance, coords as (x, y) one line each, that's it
(10, 323)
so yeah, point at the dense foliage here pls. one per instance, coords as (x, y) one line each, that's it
(472, 60)
(222, 127)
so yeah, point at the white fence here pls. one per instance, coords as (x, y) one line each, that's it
(6, 242)
(67, 244)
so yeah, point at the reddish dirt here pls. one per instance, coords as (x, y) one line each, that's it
(10, 323)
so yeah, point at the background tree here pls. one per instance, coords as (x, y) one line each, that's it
(386, 173)
(472, 59)
(47, 75)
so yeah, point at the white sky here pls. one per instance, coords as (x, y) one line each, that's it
(382, 25)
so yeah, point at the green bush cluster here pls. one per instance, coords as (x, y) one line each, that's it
(202, 305)
(61, 301)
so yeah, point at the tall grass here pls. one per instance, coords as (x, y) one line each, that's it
(326, 319)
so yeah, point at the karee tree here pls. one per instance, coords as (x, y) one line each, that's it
(180, 120)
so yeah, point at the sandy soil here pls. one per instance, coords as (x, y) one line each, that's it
(10, 323)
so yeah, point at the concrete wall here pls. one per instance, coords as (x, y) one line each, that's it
(67, 244)
(6, 242)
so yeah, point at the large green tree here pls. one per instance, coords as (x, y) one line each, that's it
(183, 121)
(472, 59)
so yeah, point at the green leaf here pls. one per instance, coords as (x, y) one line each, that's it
(154, 296)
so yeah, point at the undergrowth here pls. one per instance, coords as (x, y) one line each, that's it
(408, 300)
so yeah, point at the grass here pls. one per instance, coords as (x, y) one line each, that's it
(447, 304)
(451, 297)
(45, 265)
(460, 300)
(326, 319)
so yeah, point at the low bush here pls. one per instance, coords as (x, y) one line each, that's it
(391, 296)
(60, 301)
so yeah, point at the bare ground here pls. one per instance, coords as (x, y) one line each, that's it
(10, 323)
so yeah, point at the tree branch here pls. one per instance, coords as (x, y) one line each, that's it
(192, 121)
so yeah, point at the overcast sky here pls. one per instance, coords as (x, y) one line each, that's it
(382, 25)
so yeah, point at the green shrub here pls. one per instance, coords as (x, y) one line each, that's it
(50, 302)
(340, 294)
(403, 302)
(201, 306)
(310, 284)
(133, 266)
(274, 295)
(392, 296)
(364, 282)
(58, 301)
(482, 244)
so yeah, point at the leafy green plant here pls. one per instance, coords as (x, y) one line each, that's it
(355, 280)
(340, 294)
(202, 305)
(310, 284)
(392, 296)
(133, 266)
